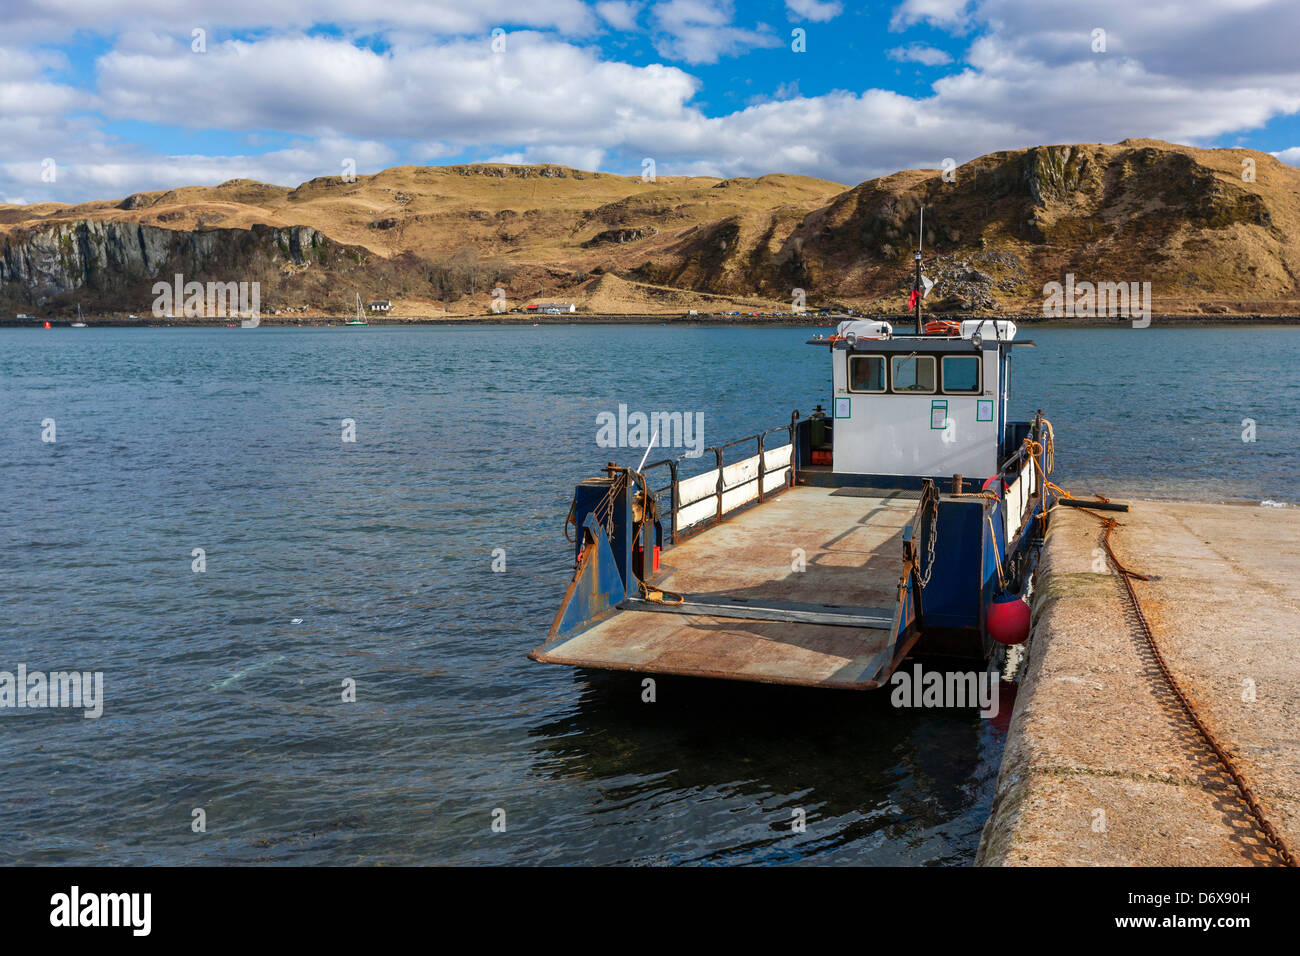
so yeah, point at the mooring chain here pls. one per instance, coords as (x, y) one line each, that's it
(604, 510)
(1229, 765)
(934, 534)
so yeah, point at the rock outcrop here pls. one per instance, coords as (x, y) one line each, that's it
(115, 257)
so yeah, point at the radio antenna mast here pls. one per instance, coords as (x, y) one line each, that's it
(916, 287)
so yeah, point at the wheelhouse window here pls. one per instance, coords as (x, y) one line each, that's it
(961, 374)
(867, 373)
(913, 374)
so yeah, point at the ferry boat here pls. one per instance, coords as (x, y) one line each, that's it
(823, 552)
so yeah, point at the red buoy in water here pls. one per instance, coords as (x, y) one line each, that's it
(1008, 619)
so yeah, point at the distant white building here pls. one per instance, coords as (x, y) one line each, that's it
(553, 308)
(381, 305)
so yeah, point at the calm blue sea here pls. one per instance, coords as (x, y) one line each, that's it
(371, 561)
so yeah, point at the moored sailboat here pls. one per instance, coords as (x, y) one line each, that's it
(359, 319)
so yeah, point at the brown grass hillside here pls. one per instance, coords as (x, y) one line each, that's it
(1142, 210)
(437, 239)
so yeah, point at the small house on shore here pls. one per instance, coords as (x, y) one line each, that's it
(381, 305)
(552, 308)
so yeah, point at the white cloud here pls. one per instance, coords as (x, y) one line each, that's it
(919, 53)
(573, 156)
(428, 152)
(818, 11)
(105, 171)
(40, 119)
(701, 31)
(619, 14)
(65, 18)
(26, 62)
(1030, 77)
(696, 168)
(24, 89)
(1289, 156)
(539, 90)
(1187, 71)
(945, 14)
(579, 157)
(1191, 39)
(28, 98)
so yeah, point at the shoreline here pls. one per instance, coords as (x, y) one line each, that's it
(900, 322)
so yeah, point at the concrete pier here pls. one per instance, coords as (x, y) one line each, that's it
(1101, 766)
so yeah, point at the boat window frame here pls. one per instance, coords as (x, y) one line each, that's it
(934, 369)
(979, 375)
(884, 374)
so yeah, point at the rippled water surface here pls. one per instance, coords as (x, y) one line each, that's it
(371, 561)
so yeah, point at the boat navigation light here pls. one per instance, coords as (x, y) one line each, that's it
(976, 339)
(850, 339)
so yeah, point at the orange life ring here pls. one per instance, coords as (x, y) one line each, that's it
(942, 327)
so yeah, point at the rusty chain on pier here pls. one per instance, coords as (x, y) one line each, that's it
(1225, 760)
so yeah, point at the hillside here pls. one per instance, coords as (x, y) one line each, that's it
(437, 240)
(1143, 210)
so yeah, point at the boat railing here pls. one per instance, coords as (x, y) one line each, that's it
(701, 501)
(1014, 463)
(1021, 477)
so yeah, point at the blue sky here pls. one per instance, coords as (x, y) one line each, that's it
(117, 96)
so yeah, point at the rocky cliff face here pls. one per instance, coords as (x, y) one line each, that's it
(99, 258)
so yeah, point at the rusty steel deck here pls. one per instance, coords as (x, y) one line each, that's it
(751, 615)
